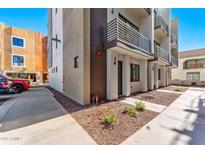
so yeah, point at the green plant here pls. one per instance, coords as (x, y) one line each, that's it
(129, 111)
(178, 89)
(110, 119)
(140, 106)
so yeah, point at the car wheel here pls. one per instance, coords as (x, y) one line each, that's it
(18, 88)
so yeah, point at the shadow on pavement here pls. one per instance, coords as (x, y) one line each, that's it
(33, 106)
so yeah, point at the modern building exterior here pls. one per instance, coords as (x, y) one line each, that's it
(191, 69)
(23, 53)
(110, 52)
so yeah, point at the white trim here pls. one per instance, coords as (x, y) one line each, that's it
(21, 56)
(24, 41)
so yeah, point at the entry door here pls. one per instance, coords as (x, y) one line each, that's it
(119, 77)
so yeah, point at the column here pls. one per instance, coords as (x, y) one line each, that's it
(112, 80)
(126, 76)
(163, 75)
(155, 76)
(150, 75)
(143, 75)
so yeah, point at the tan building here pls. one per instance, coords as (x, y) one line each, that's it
(110, 52)
(23, 53)
(191, 69)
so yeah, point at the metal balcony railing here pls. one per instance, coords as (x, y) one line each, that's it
(159, 22)
(118, 30)
(149, 10)
(174, 60)
(161, 53)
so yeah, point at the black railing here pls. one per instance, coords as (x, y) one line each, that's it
(160, 23)
(120, 31)
(149, 10)
(161, 53)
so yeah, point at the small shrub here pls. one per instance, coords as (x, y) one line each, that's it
(140, 106)
(110, 119)
(131, 112)
(178, 89)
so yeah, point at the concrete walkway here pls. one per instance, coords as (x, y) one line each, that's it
(169, 91)
(149, 106)
(183, 122)
(35, 117)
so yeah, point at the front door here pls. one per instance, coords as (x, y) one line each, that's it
(119, 78)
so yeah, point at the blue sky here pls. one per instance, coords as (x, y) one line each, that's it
(191, 28)
(191, 23)
(34, 19)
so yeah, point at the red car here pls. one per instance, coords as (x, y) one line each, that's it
(18, 85)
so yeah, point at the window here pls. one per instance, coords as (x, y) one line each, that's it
(76, 62)
(194, 64)
(128, 22)
(159, 74)
(134, 72)
(18, 42)
(18, 60)
(193, 76)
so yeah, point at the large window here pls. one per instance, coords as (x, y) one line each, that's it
(134, 72)
(18, 42)
(193, 76)
(194, 63)
(18, 60)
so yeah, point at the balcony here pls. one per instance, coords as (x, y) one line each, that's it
(174, 61)
(119, 31)
(161, 26)
(149, 10)
(174, 41)
(161, 53)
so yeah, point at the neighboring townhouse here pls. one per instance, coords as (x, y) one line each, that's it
(110, 52)
(191, 69)
(23, 53)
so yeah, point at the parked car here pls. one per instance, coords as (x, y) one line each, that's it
(17, 85)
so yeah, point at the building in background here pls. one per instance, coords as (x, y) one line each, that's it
(23, 53)
(191, 69)
(110, 52)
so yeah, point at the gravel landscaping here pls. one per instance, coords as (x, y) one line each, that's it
(157, 97)
(175, 88)
(91, 118)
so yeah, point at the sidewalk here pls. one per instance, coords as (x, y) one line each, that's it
(183, 122)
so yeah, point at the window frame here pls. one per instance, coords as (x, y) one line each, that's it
(24, 41)
(24, 62)
(132, 72)
(192, 75)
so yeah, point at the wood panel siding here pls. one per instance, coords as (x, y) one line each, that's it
(98, 61)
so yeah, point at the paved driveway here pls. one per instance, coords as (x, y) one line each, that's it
(35, 117)
(183, 122)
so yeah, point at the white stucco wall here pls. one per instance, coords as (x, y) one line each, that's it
(56, 79)
(112, 74)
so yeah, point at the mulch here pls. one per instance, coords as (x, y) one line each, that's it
(162, 98)
(91, 117)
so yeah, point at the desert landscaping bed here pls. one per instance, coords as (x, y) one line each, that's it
(157, 97)
(175, 88)
(91, 119)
